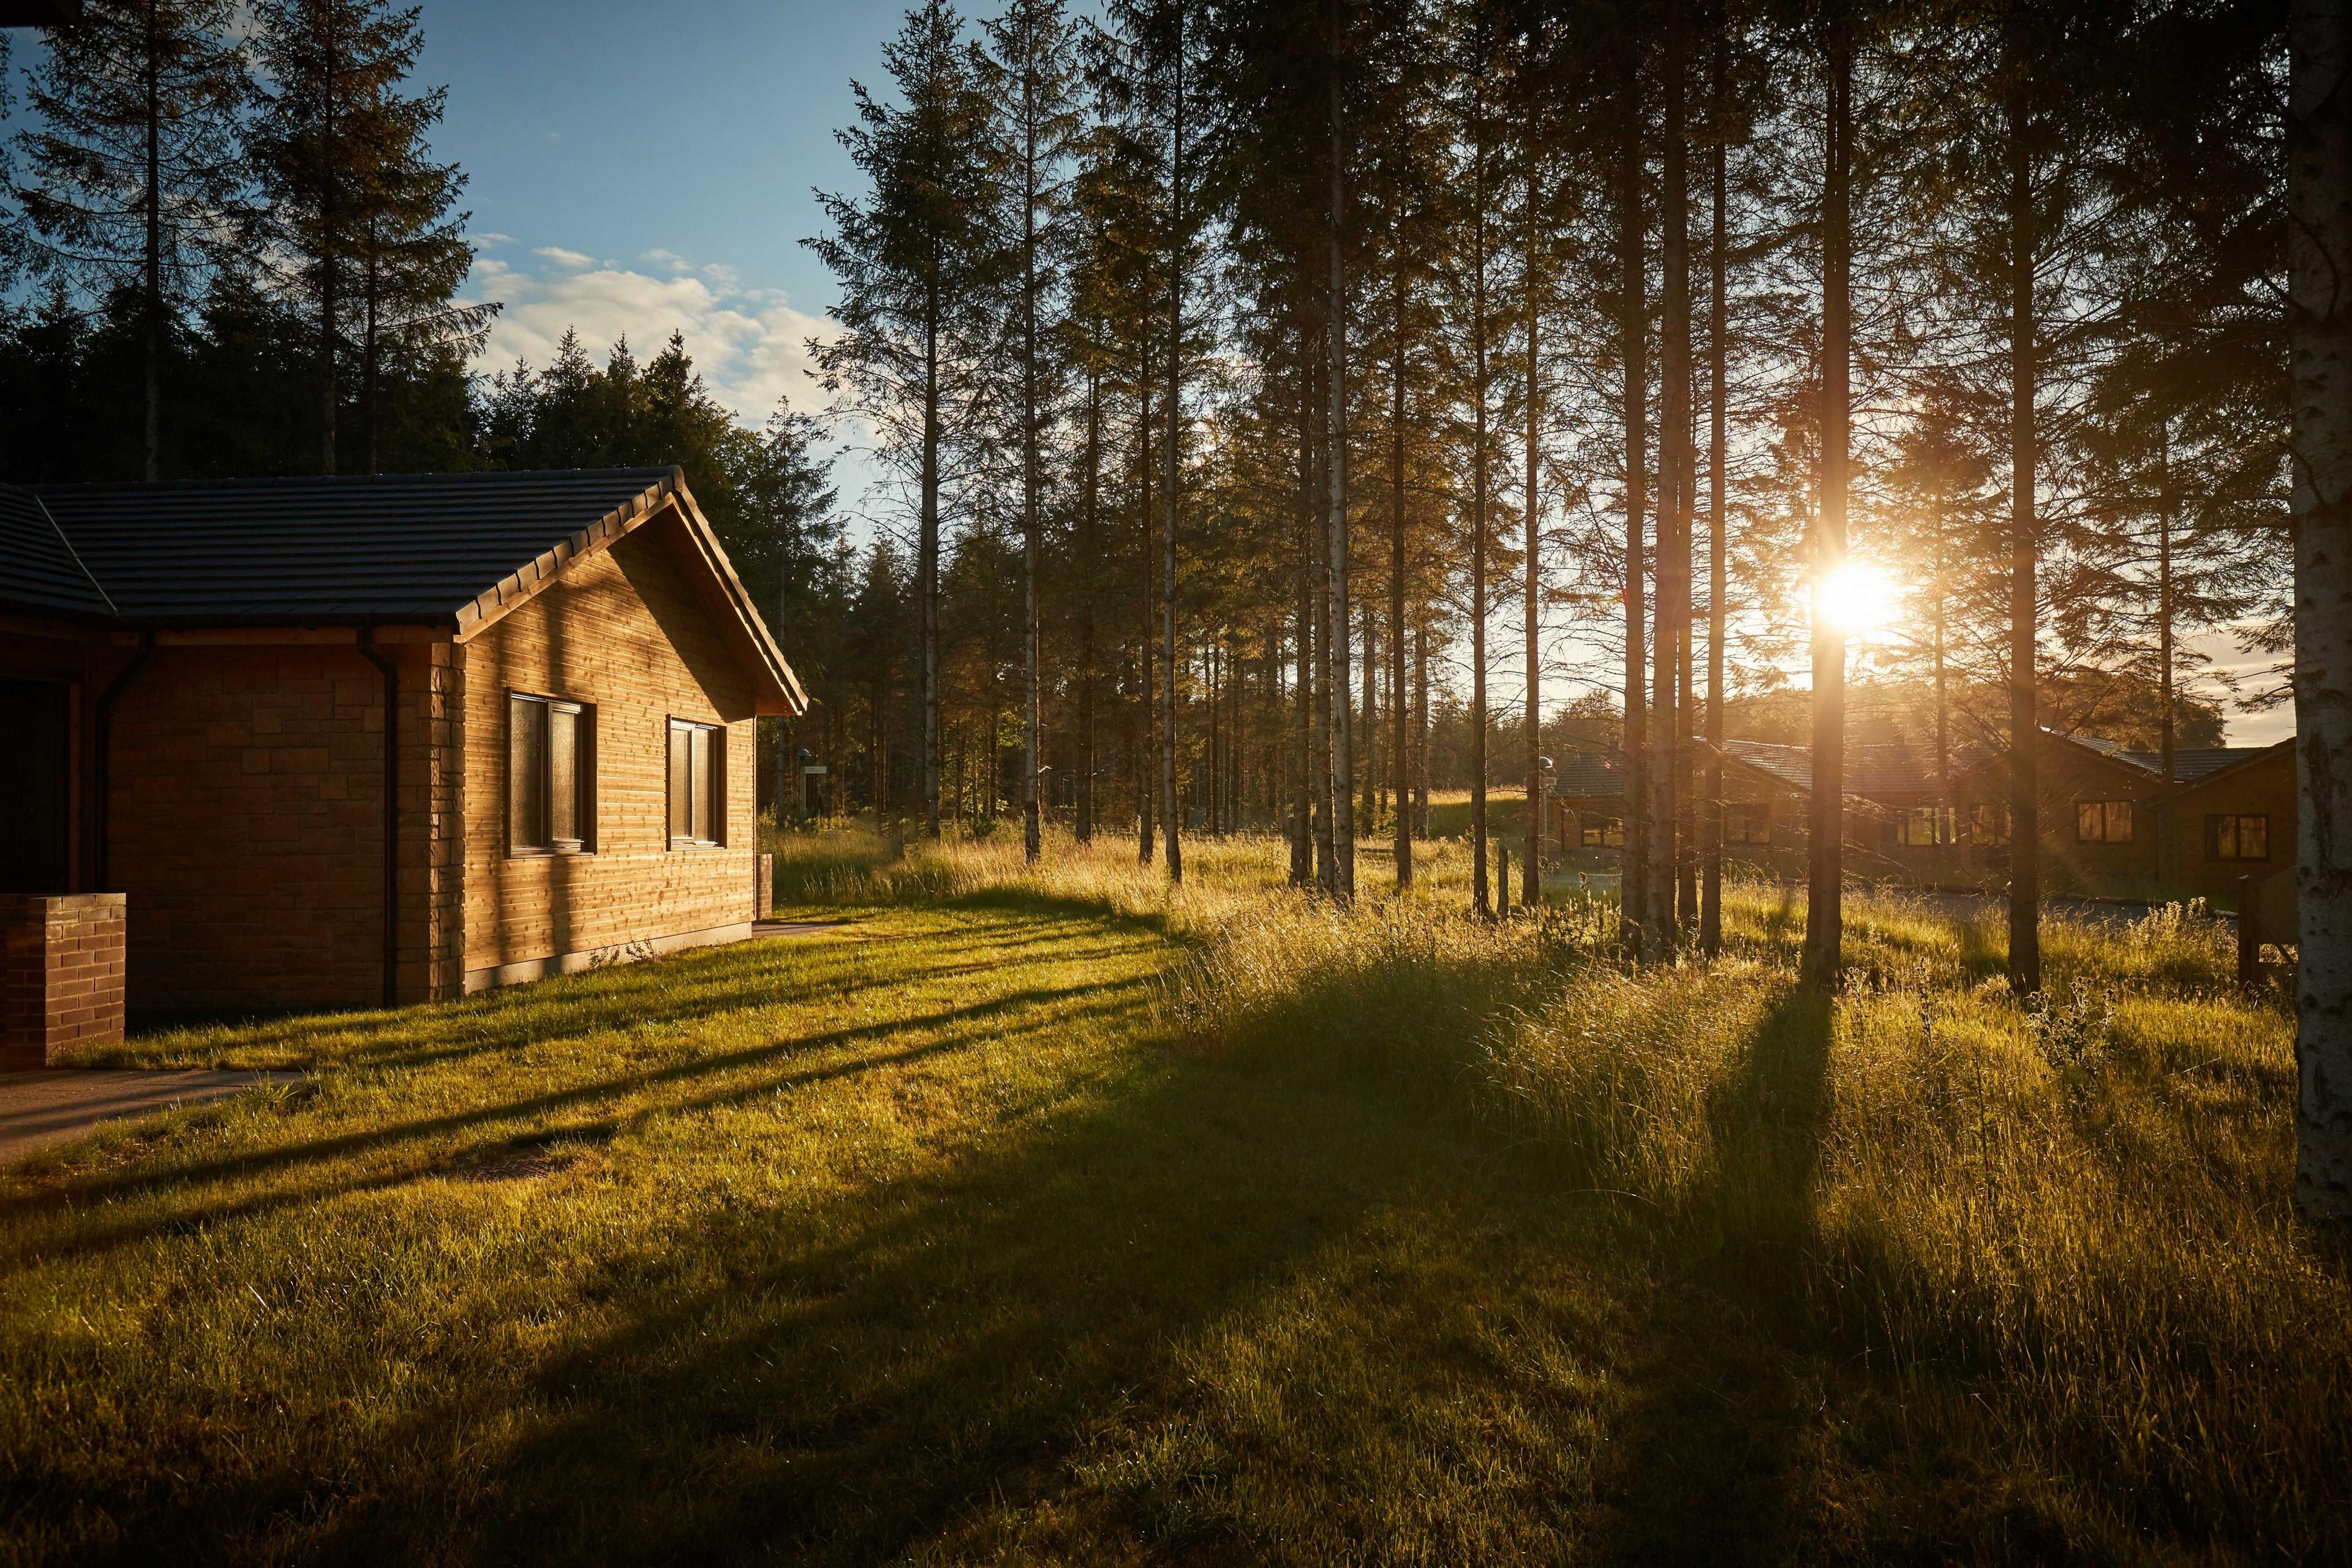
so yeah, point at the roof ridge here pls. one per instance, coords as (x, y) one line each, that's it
(79, 565)
(299, 482)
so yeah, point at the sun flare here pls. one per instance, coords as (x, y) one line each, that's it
(1858, 599)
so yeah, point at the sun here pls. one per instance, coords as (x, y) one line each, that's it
(1858, 599)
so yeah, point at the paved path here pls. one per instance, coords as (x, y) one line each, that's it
(56, 1105)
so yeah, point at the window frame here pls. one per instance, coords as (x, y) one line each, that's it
(2237, 821)
(713, 780)
(2107, 810)
(582, 841)
(1747, 822)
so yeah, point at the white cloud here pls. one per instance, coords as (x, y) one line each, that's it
(750, 344)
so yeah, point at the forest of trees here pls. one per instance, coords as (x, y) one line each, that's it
(1286, 409)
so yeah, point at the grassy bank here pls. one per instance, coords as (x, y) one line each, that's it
(1053, 1217)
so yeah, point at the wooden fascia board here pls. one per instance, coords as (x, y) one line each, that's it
(778, 668)
(528, 581)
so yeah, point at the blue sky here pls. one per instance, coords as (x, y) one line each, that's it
(637, 168)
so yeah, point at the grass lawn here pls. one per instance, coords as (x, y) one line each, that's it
(1048, 1218)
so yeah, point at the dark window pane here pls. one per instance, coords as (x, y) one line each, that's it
(2255, 837)
(2088, 824)
(2225, 839)
(2119, 822)
(681, 781)
(563, 777)
(527, 773)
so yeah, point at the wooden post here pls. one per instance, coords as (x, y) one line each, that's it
(1503, 874)
(2249, 933)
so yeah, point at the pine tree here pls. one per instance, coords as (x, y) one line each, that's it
(357, 213)
(920, 259)
(136, 170)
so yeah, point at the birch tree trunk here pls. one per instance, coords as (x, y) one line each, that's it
(927, 566)
(2319, 204)
(1532, 574)
(1175, 411)
(1398, 751)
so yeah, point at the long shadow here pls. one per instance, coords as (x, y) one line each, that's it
(849, 1383)
(1706, 1461)
(74, 1193)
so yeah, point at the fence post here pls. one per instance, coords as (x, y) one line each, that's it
(1502, 879)
(2250, 933)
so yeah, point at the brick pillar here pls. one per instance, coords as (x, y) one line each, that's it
(60, 975)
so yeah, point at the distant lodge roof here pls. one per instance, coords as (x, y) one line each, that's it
(1888, 772)
(445, 549)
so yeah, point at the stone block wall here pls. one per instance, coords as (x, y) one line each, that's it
(61, 965)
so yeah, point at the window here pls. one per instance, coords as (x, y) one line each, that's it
(698, 785)
(1924, 826)
(2103, 822)
(551, 774)
(1988, 822)
(2235, 837)
(1746, 822)
(1600, 833)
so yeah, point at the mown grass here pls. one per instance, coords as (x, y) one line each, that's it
(1053, 1217)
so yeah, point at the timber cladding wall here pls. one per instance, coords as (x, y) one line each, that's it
(246, 818)
(627, 631)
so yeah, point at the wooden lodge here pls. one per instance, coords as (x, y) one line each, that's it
(2109, 822)
(320, 742)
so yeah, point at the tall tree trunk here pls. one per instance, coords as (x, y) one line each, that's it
(2024, 723)
(1302, 728)
(1634, 348)
(1032, 829)
(1146, 825)
(1397, 705)
(1420, 731)
(1825, 892)
(1174, 454)
(927, 568)
(1481, 900)
(2168, 844)
(2319, 202)
(330, 257)
(1673, 569)
(1339, 611)
(1710, 897)
(1089, 548)
(1531, 575)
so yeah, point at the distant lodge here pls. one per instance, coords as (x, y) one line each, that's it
(2110, 823)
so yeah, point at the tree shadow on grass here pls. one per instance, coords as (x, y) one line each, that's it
(1706, 1461)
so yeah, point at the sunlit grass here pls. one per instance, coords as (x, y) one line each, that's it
(1056, 1215)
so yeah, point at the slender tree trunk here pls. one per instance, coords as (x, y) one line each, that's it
(1146, 820)
(1634, 349)
(330, 257)
(1531, 574)
(1397, 515)
(1420, 732)
(1089, 548)
(927, 569)
(371, 353)
(1335, 338)
(1673, 586)
(2024, 723)
(1302, 733)
(1824, 891)
(2319, 202)
(1710, 897)
(1032, 829)
(2168, 845)
(1174, 454)
(1481, 900)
